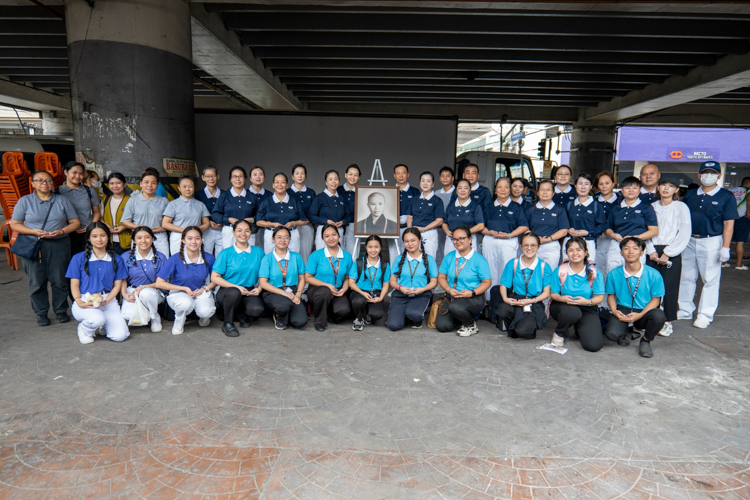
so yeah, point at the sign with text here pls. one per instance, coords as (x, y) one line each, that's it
(178, 167)
(693, 154)
(517, 137)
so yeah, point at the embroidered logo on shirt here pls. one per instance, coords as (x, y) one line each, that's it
(554, 215)
(714, 202)
(589, 211)
(510, 213)
(637, 211)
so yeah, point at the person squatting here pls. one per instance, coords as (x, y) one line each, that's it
(577, 252)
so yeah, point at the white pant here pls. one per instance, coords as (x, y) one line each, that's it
(107, 316)
(430, 242)
(183, 304)
(701, 257)
(175, 240)
(212, 241)
(615, 258)
(550, 253)
(590, 246)
(151, 298)
(306, 239)
(396, 246)
(498, 253)
(319, 243)
(162, 244)
(350, 241)
(450, 248)
(227, 238)
(269, 245)
(602, 249)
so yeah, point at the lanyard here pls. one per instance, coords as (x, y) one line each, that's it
(633, 293)
(458, 271)
(527, 281)
(371, 275)
(412, 273)
(283, 271)
(335, 270)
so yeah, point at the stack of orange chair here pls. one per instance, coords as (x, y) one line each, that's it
(51, 164)
(15, 182)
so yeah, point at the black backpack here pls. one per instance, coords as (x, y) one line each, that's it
(361, 267)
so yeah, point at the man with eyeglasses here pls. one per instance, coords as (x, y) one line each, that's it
(212, 242)
(52, 219)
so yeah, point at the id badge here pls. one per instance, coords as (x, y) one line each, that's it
(288, 290)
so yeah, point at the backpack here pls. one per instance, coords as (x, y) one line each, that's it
(361, 267)
(515, 266)
(565, 269)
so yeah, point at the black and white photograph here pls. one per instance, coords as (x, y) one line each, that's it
(376, 210)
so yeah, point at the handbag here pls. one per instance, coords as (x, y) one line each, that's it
(28, 246)
(440, 306)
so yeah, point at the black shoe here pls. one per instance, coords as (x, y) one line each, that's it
(63, 318)
(230, 330)
(42, 320)
(320, 328)
(624, 341)
(644, 349)
(278, 323)
(512, 334)
(244, 323)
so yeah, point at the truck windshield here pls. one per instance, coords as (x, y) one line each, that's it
(507, 167)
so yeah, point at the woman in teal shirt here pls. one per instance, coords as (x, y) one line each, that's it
(368, 279)
(465, 275)
(326, 274)
(524, 285)
(282, 278)
(236, 272)
(413, 277)
(577, 290)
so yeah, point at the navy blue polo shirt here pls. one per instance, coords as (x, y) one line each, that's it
(304, 198)
(607, 205)
(647, 197)
(562, 198)
(210, 201)
(237, 206)
(331, 269)
(547, 221)
(191, 275)
(142, 272)
(271, 268)
(633, 220)
(281, 211)
(348, 196)
(262, 195)
(424, 211)
(469, 215)
(588, 216)
(407, 197)
(709, 211)
(479, 194)
(505, 218)
(326, 207)
(101, 276)
(472, 270)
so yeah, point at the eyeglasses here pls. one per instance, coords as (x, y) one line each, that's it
(459, 240)
(283, 238)
(529, 246)
(44, 181)
(238, 177)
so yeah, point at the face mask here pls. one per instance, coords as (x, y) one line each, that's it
(97, 184)
(709, 179)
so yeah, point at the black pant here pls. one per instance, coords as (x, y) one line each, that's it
(229, 299)
(652, 322)
(461, 312)
(525, 328)
(51, 268)
(324, 304)
(404, 307)
(77, 242)
(671, 277)
(586, 321)
(362, 308)
(285, 310)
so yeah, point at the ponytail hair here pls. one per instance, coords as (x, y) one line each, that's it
(418, 234)
(582, 243)
(90, 247)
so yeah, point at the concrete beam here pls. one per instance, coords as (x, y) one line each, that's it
(218, 52)
(15, 94)
(729, 73)
(698, 115)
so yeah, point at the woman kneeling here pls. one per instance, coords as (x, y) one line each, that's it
(282, 278)
(96, 276)
(186, 276)
(577, 290)
(236, 273)
(368, 279)
(465, 282)
(524, 285)
(143, 266)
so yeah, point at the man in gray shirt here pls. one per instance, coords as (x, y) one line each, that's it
(54, 252)
(84, 200)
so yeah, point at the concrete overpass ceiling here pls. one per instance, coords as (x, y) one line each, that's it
(343, 55)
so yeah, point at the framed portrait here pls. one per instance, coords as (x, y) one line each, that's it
(376, 211)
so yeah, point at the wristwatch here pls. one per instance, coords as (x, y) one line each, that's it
(473, 293)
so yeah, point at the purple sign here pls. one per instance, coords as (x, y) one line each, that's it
(683, 144)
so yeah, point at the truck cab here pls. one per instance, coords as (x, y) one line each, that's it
(493, 165)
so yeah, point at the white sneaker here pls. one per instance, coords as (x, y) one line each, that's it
(156, 324)
(683, 315)
(701, 323)
(666, 330)
(468, 331)
(101, 331)
(178, 326)
(558, 340)
(725, 264)
(741, 268)
(204, 321)
(85, 339)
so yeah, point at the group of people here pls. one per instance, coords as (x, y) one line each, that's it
(627, 256)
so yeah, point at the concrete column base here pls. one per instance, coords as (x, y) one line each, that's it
(592, 150)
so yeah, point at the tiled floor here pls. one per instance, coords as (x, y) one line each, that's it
(371, 415)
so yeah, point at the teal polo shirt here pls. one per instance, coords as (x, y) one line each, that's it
(651, 285)
(414, 273)
(475, 269)
(372, 278)
(320, 267)
(577, 285)
(269, 268)
(537, 282)
(239, 267)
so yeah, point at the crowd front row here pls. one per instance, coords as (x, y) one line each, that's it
(251, 283)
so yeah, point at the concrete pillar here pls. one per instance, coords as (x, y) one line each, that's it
(57, 123)
(131, 82)
(592, 149)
